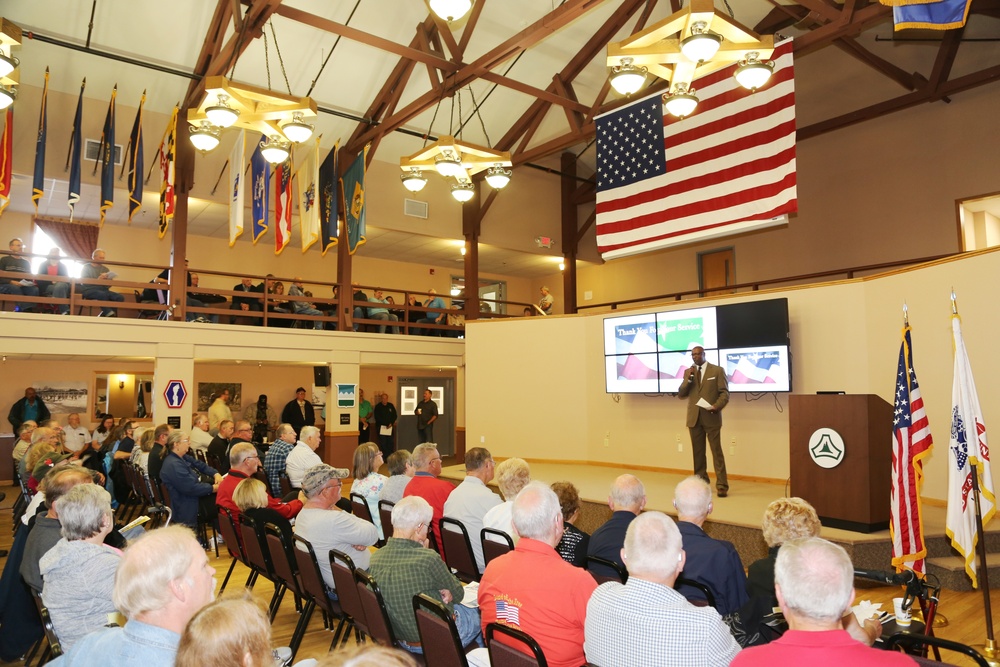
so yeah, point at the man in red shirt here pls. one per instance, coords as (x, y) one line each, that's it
(244, 461)
(425, 483)
(532, 588)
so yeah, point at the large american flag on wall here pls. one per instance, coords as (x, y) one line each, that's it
(727, 168)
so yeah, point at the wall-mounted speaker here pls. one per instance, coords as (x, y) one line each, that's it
(321, 376)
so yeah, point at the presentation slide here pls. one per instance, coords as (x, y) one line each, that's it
(757, 369)
(686, 329)
(673, 365)
(635, 334)
(631, 373)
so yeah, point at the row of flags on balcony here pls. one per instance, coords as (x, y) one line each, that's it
(319, 190)
(968, 458)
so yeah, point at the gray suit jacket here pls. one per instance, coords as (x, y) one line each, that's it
(713, 388)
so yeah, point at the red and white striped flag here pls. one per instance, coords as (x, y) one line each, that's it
(911, 443)
(968, 444)
(727, 168)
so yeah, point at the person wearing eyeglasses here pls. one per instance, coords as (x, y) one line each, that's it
(244, 461)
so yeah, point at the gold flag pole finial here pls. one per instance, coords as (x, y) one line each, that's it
(906, 317)
(954, 302)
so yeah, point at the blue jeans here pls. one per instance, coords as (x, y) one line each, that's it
(59, 291)
(468, 624)
(20, 290)
(102, 294)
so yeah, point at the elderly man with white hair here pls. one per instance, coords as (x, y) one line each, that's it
(665, 628)
(405, 567)
(814, 584)
(712, 562)
(78, 573)
(200, 437)
(532, 588)
(162, 581)
(626, 500)
(303, 456)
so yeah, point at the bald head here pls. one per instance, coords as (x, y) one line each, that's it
(627, 494)
(693, 500)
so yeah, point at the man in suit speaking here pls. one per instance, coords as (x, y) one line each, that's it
(707, 392)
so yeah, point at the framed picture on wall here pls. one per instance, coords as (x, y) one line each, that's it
(209, 391)
(63, 397)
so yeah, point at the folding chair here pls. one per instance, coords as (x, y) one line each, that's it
(438, 634)
(315, 591)
(495, 543)
(507, 654)
(620, 574)
(458, 554)
(385, 513)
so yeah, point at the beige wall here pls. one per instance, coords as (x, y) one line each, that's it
(845, 336)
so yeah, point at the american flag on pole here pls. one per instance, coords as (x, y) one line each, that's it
(968, 445)
(911, 443)
(726, 169)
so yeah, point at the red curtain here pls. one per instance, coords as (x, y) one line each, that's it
(76, 239)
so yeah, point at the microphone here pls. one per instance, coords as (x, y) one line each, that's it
(890, 578)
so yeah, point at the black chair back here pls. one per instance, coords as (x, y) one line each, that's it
(55, 649)
(458, 552)
(285, 483)
(313, 586)
(495, 543)
(376, 614)
(706, 597)
(228, 529)
(620, 574)
(253, 547)
(438, 634)
(385, 514)
(359, 507)
(916, 643)
(282, 558)
(517, 649)
(343, 568)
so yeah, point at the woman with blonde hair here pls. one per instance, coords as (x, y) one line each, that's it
(250, 496)
(785, 519)
(230, 632)
(368, 482)
(511, 476)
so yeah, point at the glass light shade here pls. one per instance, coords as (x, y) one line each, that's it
(463, 191)
(628, 79)
(274, 150)
(498, 177)
(448, 165)
(413, 180)
(7, 96)
(296, 130)
(205, 137)
(451, 10)
(7, 64)
(221, 115)
(753, 74)
(701, 47)
(680, 104)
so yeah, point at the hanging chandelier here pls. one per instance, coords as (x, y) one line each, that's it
(450, 10)
(10, 36)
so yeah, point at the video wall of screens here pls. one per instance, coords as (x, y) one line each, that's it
(649, 353)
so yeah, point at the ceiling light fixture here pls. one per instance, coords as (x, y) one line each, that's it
(448, 164)
(681, 102)
(205, 137)
(752, 73)
(7, 64)
(274, 149)
(10, 36)
(498, 177)
(463, 191)
(451, 10)
(701, 45)
(413, 180)
(221, 114)
(295, 130)
(626, 78)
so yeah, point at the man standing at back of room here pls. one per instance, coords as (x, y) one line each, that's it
(299, 412)
(427, 414)
(707, 391)
(385, 418)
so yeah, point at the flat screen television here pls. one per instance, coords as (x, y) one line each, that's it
(648, 353)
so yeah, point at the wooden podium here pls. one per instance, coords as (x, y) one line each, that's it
(854, 493)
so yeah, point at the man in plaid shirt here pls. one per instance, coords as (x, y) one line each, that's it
(663, 627)
(274, 462)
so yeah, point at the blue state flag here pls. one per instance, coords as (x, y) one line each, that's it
(328, 200)
(38, 182)
(941, 15)
(108, 158)
(75, 150)
(260, 178)
(353, 184)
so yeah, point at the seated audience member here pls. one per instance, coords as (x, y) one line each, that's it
(156, 454)
(626, 500)
(647, 622)
(200, 437)
(98, 292)
(277, 456)
(218, 449)
(405, 567)
(814, 585)
(303, 456)
(401, 470)
(23, 443)
(250, 497)
(45, 464)
(326, 526)
(77, 436)
(573, 545)
(276, 304)
(140, 455)
(244, 461)
(381, 313)
(230, 632)
(78, 573)
(15, 263)
(367, 655)
(472, 500)
(247, 302)
(548, 594)
(512, 475)
(414, 315)
(53, 267)
(184, 478)
(433, 317)
(242, 433)
(425, 483)
(785, 519)
(163, 278)
(43, 444)
(162, 582)
(714, 563)
(301, 306)
(368, 482)
(103, 430)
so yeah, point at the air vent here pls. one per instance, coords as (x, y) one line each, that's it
(92, 151)
(414, 208)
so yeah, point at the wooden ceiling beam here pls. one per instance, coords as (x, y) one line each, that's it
(861, 20)
(211, 46)
(587, 224)
(950, 42)
(573, 117)
(900, 76)
(821, 8)
(425, 44)
(470, 27)
(449, 39)
(571, 104)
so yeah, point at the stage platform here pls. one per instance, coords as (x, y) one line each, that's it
(737, 517)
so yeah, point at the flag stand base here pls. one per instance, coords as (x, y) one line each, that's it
(989, 651)
(940, 620)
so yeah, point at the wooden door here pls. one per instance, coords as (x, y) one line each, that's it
(717, 269)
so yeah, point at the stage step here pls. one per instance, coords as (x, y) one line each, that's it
(950, 570)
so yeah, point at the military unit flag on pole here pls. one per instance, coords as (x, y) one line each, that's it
(968, 448)
(353, 184)
(168, 159)
(38, 181)
(76, 145)
(260, 181)
(282, 205)
(911, 443)
(6, 159)
(939, 15)
(307, 178)
(108, 158)
(329, 199)
(237, 160)
(136, 163)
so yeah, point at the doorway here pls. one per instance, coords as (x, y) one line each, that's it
(716, 271)
(411, 392)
